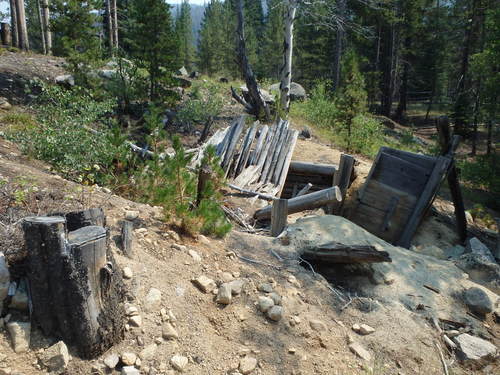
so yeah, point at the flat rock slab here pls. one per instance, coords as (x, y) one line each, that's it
(56, 358)
(360, 351)
(475, 351)
(20, 335)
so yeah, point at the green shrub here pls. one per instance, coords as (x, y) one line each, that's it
(206, 100)
(482, 173)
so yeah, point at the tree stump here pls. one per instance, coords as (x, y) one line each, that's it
(76, 289)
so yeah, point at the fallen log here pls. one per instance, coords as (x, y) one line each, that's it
(305, 202)
(335, 252)
(300, 167)
(253, 193)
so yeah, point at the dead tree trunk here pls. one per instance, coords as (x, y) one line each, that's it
(6, 34)
(259, 107)
(110, 25)
(42, 31)
(76, 289)
(339, 44)
(115, 22)
(286, 69)
(21, 26)
(46, 26)
(13, 23)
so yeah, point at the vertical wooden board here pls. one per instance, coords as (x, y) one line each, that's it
(233, 171)
(280, 143)
(260, 142)
(279, 214)
(233, 141)
(280, 128)
(424, 201)
(275, 167)
(288, 159)
(245, 153)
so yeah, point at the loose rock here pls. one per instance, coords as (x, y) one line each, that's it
(179, 362)
(478, 301)
(475, 351)
(131, 215)
(130, 370)
(196, 257)
(205, 284)
(56, 358)
(276, 298)
(363, 329)
(477, 247)
(224, 295)
(127, 273)
(236, 286)
(169, 332)
(153, 300)
(111, 360)
(128, 358)
(20, 335)
(360, 351)
(247, 365)
(265, 303)
(135, 321)
(265, 287)
(148, 352)
(275, 313)
(317, 325)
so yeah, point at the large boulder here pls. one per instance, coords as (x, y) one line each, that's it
(477, 247)
(478, 301)
(268, 97)
(480, 270)
(66, 80)
(297, 92)
(475, 352)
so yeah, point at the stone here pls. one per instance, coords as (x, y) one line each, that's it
(363, 329)
(474, 350)
(305, 133)
(196, 257)
(236, 286)
(131, 215)
(469, 218)
(477, 247)
(297, 92)
(480, 270)
(135, 321)
(265, 303)
(4, 104)
(317, 325)
(176, 246)
(478, 301)
(205, 284)
(148, 352)
(247, 365)
(183, 72)
(265, 287)
(179, 362)
(275, 313)
(226, 277)
(128, 358)
(168, 332)
(111, 360)
(127, 273)
(153, 300)
(20, 298)
(20, 333)
(224, 294)
(454, 251)
(361, 352)
(203, 239)
(130, 370)
(4, 277)
(65, 80)
(56, 358)
(275, 297)
(295, 320)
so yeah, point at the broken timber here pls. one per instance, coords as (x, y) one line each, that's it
(305, 202)
(335, 252)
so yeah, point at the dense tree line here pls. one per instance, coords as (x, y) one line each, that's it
(432, 51)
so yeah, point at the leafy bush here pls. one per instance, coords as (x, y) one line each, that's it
(206, 100)
(71, 132)
(482, 173)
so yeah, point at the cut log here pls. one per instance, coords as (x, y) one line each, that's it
(306, 202)
(300, 167)
(127, 238)
(279, 214)
(76, 293)
(342, 179)
(304, 190)
(335, 252)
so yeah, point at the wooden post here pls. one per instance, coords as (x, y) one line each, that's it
(204, 177)
(447, 148)
(6, 34)
(279, 214)
(13, 22)
(127, 238)
(306, 202)
(342, 179)
(76, 291)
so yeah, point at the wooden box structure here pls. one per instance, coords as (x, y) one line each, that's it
(398, 192)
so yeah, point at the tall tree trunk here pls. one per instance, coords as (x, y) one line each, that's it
(259, 106)
(286, 69)
(403, 92)
(110, 25)
(42, 26)
(339, 44)
(46, 25)
(13, 23)
(21, 26)
(114, 11)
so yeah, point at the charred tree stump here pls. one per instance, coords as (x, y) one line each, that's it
(127, 238)
(76, 291)
(79, 219)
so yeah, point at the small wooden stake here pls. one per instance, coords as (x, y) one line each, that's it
(127, 238)
(279, 214)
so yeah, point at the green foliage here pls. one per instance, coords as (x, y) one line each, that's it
(482, 173)
(272, 49)
(183, 29)
(61, 134)
(206, 100)
(153, 43)
(74, 22)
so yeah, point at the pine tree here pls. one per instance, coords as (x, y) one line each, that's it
(153, 42)
(183, 29)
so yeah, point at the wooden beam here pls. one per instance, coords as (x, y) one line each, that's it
(279, 213)
(301, 167)
(342, 179)
(306, 202)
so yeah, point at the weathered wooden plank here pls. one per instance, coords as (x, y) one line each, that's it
(279, 214)
(342, 179)
(305, 168)
(425, 199)
(275, 169)
(424, 161)
(259, 146)
(232, 142)
(245, 153)
(286, 164)
(305, 202)
(274, 152)
(233, 170)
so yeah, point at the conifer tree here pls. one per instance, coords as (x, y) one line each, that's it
(153, 41)
(183, 29)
